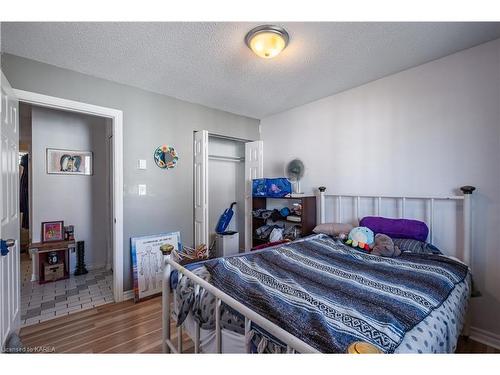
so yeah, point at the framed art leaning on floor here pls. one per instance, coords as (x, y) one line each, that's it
(147, 263)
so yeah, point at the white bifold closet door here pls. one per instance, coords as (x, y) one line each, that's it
(254, 168)
(201, 188)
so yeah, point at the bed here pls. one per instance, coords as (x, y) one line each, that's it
(319, 295)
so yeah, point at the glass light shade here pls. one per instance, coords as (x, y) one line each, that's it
(267, 41)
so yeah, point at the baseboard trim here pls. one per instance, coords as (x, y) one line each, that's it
(91, 267)
(485, 337)
(128, 294)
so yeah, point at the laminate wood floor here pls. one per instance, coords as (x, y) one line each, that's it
(128, 328)
(113, 328)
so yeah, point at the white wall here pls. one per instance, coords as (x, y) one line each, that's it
(426, 130)
(78, 200)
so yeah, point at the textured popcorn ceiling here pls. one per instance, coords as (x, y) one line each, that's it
(209, 64)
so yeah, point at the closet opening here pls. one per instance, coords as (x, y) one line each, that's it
(226, 185)
(223, 171)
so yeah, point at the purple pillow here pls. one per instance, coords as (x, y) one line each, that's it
(396, 228)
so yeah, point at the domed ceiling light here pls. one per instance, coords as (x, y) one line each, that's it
(267, 41)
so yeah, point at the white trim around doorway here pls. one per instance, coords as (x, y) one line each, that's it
(116, 117)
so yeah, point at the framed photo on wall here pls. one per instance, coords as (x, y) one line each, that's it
(52, 231)
(147, 263)
(69, 162)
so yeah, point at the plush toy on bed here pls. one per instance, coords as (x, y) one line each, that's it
(384, 246)
(361, 237)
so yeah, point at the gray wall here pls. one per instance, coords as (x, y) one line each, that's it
(424, 131)
(149, 121)
(81, 201)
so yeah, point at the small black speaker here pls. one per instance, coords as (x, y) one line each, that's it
(80, 259)
(53, 257)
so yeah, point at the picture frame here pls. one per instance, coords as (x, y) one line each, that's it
(147, 263)
(69, 162)
(52, 231)
(166, 157)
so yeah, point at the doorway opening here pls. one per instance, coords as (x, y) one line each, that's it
(65, 180)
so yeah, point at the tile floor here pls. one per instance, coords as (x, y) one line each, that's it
(47, 301)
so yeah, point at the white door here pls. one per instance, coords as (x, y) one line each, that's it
(201, 188)
(254, 168)
(9, 227)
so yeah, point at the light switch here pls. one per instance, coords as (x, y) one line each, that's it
(142, 164)
(142, 189)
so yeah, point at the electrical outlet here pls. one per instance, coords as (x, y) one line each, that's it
(142, 189)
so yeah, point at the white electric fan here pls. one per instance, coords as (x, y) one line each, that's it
(294, 171)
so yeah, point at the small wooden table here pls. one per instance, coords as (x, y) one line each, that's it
(39, 252)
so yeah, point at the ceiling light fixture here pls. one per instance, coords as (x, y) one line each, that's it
(267, 41)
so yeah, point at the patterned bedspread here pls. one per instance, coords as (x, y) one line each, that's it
(330, 295)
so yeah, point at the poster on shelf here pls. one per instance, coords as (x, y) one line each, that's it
(147, 263)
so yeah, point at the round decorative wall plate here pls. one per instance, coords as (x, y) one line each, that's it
(166, 157)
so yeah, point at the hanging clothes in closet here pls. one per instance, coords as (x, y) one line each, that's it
(23, 192)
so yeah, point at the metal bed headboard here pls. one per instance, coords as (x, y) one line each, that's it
(380, 199)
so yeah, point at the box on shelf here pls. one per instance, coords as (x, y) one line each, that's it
(271, 187)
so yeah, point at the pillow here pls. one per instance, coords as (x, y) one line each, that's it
(397, 228)
(333, 229)
(414, 246)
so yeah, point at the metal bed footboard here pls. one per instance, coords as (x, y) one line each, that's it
(293, 343)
